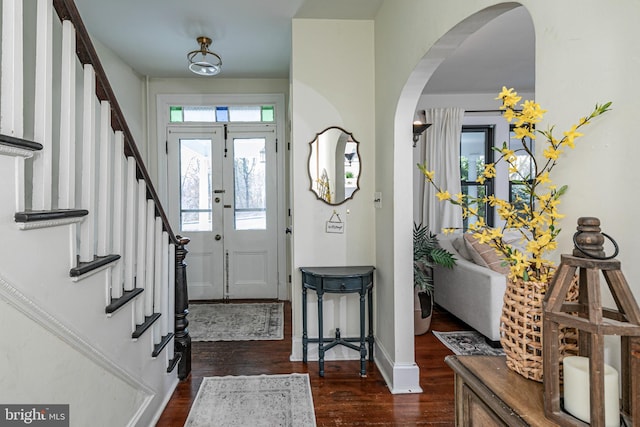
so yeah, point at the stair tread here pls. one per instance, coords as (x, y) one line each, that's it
(117, 303)
(174, 362)
(25, 144)
(157, 349)
(85, 267)
(148, 321)
(38, 215)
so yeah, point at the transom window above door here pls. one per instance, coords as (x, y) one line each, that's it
(222, 113)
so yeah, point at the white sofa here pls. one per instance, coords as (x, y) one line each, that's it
(472, 293)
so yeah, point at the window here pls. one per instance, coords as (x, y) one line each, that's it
(222, 113)
(195, 185)
(524, 170)
(250, 183)
(475, 152)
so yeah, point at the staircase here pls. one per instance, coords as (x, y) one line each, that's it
(93, 297)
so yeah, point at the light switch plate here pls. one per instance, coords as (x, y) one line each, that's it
(377, 199)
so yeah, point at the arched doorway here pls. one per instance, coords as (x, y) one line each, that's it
(409, 103)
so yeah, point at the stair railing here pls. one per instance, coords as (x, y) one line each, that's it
(124, 226)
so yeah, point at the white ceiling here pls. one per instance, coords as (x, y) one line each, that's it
(253, 37)
(502, 53)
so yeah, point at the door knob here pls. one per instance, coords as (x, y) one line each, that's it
(217, 199)
(218, 237)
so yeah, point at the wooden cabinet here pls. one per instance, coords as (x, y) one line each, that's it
(487, 393)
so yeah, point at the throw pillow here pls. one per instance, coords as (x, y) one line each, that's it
(484, 255)
(516, 239)
(461, 247)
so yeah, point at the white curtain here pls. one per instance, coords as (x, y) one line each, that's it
(442, 155)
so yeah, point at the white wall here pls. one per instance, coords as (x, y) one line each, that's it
(581, 59)
(332, 85)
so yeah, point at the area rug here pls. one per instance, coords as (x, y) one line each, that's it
(236, 322)
(468, 343)
(261, 400)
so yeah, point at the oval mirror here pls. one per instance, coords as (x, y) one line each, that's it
(334, 165)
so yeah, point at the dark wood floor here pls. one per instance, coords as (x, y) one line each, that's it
(342, 397)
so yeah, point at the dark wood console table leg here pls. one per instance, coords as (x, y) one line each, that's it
(320, 337)
(305, 337)
(370, 337)
(363, 338)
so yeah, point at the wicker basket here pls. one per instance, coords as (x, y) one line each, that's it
(521, 328)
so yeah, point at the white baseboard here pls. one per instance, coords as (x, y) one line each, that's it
(400, 378)
(165, 401)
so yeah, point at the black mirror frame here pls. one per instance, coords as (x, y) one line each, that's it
(315, 139)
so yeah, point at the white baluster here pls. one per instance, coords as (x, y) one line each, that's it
(130, 227)
(67, 170)
(105, 181)
(141, 280)
(164, 286)
(157, 293)
(42, 130)
(157, 287)
(150, 258)
(87, 227)
(118, 213)
(171, 312)
(11, 120)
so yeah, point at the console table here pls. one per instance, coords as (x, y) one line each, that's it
(339, 280)
(487, 393)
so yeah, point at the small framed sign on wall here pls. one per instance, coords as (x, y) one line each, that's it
(335, 224)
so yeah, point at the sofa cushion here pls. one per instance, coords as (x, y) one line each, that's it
(484, 255)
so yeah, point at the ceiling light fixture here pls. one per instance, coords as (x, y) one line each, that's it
(203, 61)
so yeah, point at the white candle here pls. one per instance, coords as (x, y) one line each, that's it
(576, 391)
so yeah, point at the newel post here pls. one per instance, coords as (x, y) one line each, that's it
(182, 338)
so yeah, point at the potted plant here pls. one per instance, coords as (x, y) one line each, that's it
(350, 179)
(427, 253)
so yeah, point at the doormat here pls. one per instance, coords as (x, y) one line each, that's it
(236, 322)
(468, 343)
(260, 400)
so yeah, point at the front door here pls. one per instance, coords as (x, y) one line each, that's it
(223, 196)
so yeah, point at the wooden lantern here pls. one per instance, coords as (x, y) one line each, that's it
(593, 322)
